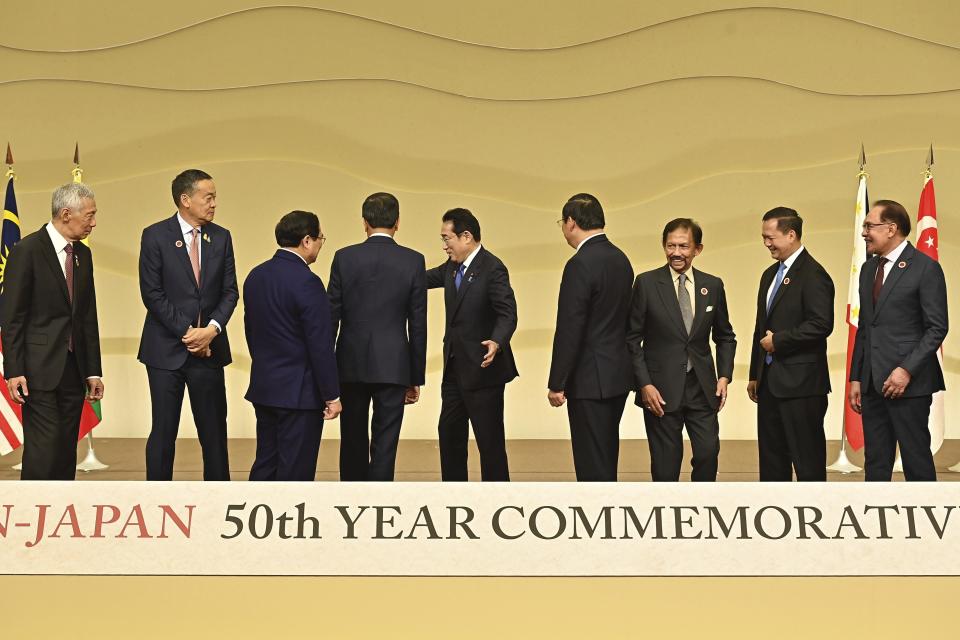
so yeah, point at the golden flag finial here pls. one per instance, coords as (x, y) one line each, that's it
(862, 161)
(10, 172)
(77, 171)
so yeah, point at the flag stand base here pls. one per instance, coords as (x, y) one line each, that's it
(91, 463)
(955, 468)
(843, 464)
(898, 464)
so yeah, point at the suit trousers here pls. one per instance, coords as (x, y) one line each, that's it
(665, 436)
(51, 424)
(288, 443)
(595, 436)
(483, 408)
(887, 423)
(373, 456)
(790, 437)
(208, 402)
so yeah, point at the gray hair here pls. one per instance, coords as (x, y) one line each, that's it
(70, 196)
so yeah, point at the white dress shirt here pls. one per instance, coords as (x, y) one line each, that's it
(892, 258)
(582, 242)
(786, 269)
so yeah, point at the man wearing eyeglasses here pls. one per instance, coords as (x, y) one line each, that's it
(894, 371)
(293, 371)
(590, 368)
(481, 316)
(789, 377)
(378, 293)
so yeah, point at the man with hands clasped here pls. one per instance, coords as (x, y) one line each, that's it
(894, 371)
(789, 378)
(673, 313)
(188, 284)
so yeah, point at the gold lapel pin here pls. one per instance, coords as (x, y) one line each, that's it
(179, 244)
(206, 237)
(902, 265)
(786, 281)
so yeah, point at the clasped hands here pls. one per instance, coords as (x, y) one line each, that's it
(197, 340)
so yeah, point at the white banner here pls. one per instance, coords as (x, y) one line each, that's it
(474, 529)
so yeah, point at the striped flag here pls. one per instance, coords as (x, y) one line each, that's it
(852, 423)
(11, 419)
(927, 242)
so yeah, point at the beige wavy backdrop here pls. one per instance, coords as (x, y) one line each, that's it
(690, 108)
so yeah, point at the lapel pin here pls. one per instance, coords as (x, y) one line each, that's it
(179, 244)
(902, 265)
(703, 291)
(76, 261)
(786, 281)
(206, 237)
(708, 309)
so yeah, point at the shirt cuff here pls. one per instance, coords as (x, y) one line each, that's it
(94, 377)
(217, 325)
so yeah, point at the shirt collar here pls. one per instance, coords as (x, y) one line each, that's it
(584, 241)
(688, 273)
(185, 227)
(466, 263)
(894, 255)
(59, 242)
(294, 253)
(789, 261)
(384, 235)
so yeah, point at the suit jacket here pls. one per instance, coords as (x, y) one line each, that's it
(590, 357)
(38, 318)
(801, 318)
(290, 336)
(907, 326)
(378, 297)
(659, 342)
(173, 300)
(484, 308)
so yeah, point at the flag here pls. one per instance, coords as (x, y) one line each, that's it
(852, 423)
(927, 242)
(11, 418)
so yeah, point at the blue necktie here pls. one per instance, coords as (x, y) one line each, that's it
(777, 281)
(459, 277)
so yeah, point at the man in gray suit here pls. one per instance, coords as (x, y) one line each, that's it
(894, 371)
(673, 312)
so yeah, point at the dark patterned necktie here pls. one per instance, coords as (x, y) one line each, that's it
(878, 280)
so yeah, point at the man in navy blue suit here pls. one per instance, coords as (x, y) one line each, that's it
(293, 376)
(188, 283)
(378, 291)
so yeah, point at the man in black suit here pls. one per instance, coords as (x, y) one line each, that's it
(481, 316)
(188, 283)
(894, 371)
(293, 372)
(789, 378)
(51, 342)
(591, 371)
(378, 295)
(674, 311)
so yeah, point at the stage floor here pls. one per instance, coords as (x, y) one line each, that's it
(419, 460)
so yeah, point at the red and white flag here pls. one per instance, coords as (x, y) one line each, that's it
(928, 241)
(852, 424)
(11, 418)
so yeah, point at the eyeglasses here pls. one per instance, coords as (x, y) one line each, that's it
(560, 222)
(869, 226)
(446, 240)
(321, 239)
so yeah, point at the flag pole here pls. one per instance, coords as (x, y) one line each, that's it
(90, 462)
(12, 175)
(843, 464)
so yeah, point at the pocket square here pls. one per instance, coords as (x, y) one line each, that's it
(708, 309)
